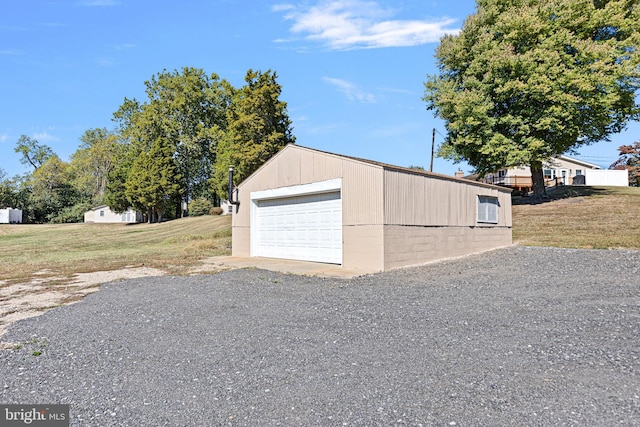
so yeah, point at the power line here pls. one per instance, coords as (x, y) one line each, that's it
(438, 132)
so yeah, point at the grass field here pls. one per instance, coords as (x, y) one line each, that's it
(581, 217)
(62, 250)
(575, 217)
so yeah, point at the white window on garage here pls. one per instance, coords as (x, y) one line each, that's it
(488, 209)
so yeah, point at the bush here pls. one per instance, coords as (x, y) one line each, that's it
(215, 211)
(69, 214)
(200, 206)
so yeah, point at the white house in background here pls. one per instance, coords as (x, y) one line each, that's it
(102, 214)
(561, 170)
(10, 216)
(227, 208)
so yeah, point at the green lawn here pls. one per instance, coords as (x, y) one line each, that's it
(63, 249)
(581, 217)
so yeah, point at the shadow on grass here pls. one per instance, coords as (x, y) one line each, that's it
(562, 192)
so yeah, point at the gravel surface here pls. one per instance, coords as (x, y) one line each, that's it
(521, 336)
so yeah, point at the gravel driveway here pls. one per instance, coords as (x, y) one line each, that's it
(521, 336)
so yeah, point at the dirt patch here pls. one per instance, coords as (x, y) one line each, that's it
(23, 300)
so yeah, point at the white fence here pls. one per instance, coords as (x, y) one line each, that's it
(607, 177)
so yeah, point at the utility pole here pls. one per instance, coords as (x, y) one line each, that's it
(433, 142)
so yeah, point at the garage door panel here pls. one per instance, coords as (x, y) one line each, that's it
(307, 227)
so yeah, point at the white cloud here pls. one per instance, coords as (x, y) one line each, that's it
(99, 3)
(122, 46)
(282, 7)
(51, 24)
(11, 52)
(357, 24)
(4, 137)
(351, 91)
(45, 137)
(106, 62)
(326, 129)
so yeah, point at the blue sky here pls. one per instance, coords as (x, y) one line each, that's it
(352, 71)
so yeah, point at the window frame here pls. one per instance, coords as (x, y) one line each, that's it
(553, 173)
(486, 206)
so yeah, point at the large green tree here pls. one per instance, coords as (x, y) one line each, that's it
(93, 161)
(258, 126)
(526, 80)
(153, 183)
(51, 192)
(187, 110)
(33, 153)
(115, 194)
(8, 190)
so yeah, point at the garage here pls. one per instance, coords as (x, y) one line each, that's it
(301, 222)
(311, 205)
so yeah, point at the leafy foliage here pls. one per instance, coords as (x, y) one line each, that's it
(526, 80)
(629, 159)
(50, 191)
(200, 206)
(216, 210)
(8, 190)
(92, 162)
(163, 153)
(258, 127)
(187, 110)
(153, 183)
(33, 153)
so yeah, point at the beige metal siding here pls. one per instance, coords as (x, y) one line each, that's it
(390, 218)
(361, 184)
(362, 194)
(419, 200)
(361, 197)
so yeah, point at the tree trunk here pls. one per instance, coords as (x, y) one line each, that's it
(537, 178)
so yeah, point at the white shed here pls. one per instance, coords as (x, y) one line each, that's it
(10, 216)
(104, 215)
(227, 208)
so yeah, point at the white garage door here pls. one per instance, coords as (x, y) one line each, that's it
(306, 227)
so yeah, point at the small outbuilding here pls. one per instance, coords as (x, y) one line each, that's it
(103, 214)
(10, 216)
(226, 206)
(306, 204)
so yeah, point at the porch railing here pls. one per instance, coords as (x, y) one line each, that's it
(521, 182)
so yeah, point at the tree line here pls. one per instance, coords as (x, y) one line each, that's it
(174, 147)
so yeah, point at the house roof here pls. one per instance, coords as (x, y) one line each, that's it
(386, 166)
(99, 207)
(105, 207)
(580, 162)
